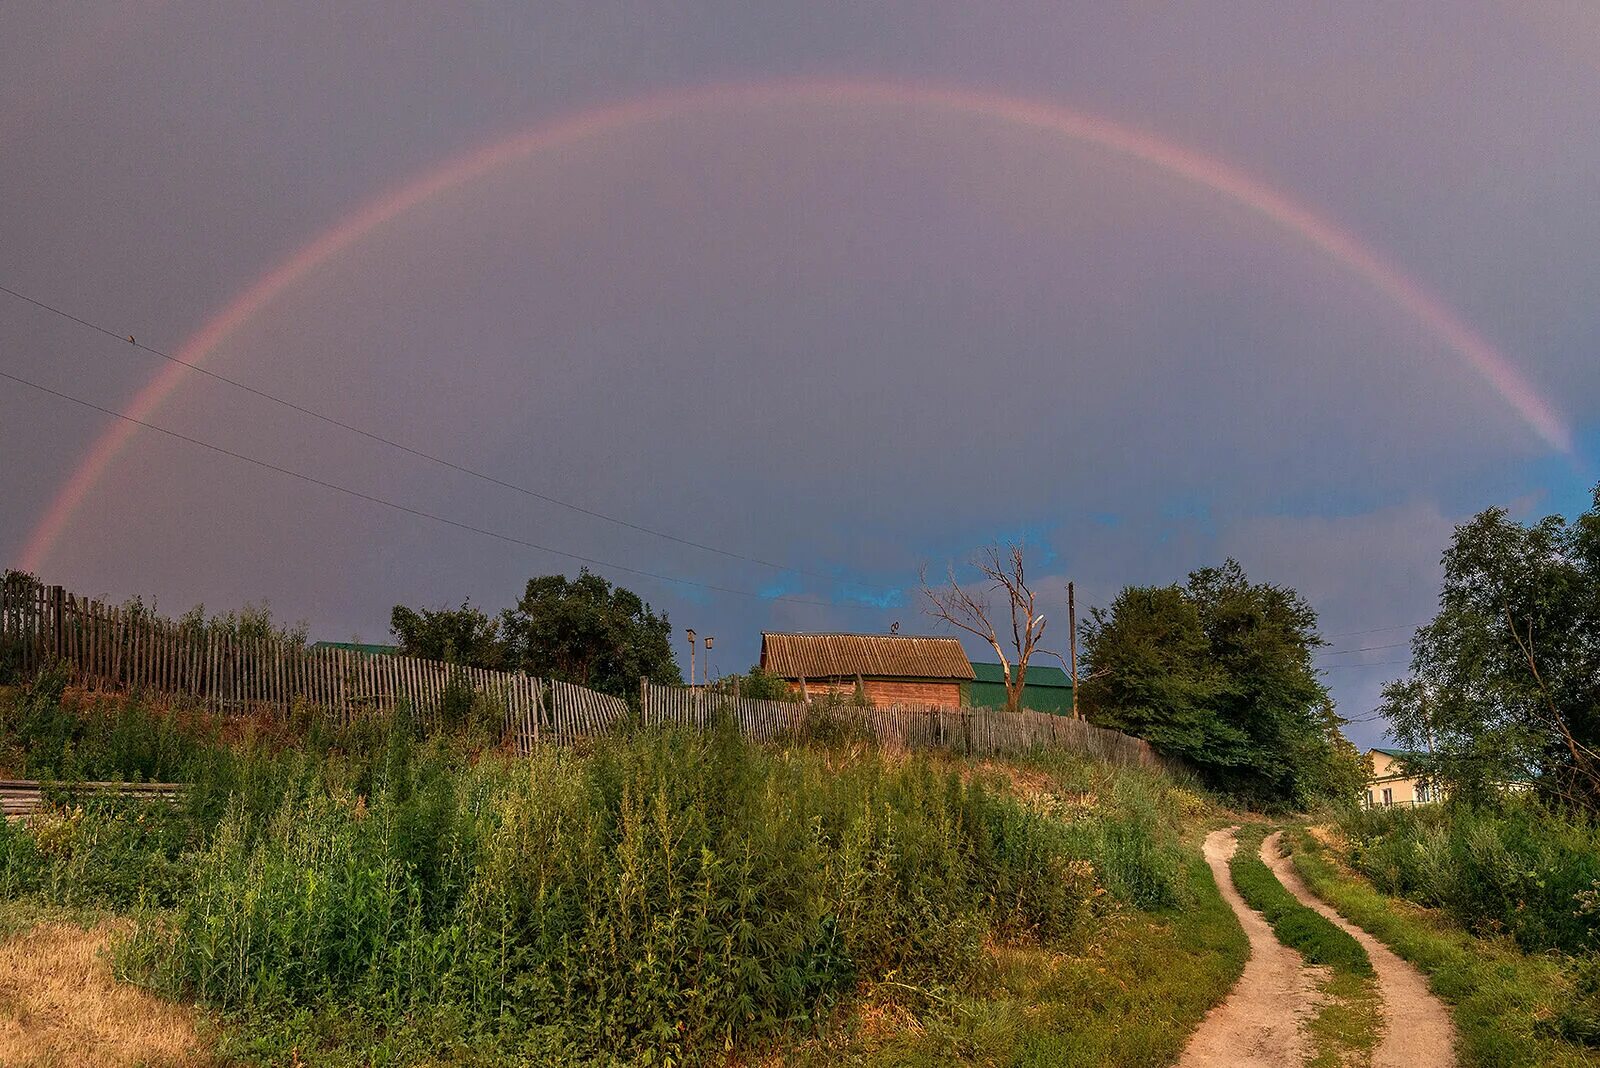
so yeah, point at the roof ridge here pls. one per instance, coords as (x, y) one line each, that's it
(855, 634)
(826, 654)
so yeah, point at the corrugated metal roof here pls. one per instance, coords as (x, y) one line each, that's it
(824, 656)
(1038, 675)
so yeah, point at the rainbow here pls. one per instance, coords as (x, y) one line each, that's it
(1227, 181)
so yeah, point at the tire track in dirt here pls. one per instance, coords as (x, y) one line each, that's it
(1261, 1023)
(1418, 1030)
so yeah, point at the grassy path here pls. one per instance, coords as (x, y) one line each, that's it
(1262, 1022)
(1418, 1031)
(1505, 1002)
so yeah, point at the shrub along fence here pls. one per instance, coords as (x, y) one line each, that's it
(971, 731)
(127, 648)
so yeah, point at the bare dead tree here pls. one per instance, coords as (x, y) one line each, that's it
(968, 609)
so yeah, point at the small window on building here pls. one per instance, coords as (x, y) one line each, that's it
(1422, 792)
(1388, 797)
(1369, 798)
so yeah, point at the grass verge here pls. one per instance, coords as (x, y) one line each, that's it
(1130, 997)
(1508, 1005)
(1345, 1029)
(1298, 927)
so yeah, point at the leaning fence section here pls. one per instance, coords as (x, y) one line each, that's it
(127, 648)
(970, 731)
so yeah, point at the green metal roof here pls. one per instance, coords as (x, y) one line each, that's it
(1038, 675)
(1398, 754)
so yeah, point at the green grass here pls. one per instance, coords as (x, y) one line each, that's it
(1511, 1009)
(1301, 928)
(373, 896)
(1129, 997)
(1346, 1027)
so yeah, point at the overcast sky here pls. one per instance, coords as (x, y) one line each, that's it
(845, 332)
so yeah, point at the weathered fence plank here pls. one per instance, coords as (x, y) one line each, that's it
(972, 731)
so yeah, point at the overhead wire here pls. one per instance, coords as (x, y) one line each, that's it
(1381, 663)
(1364, 649)
(409, 510)
(452, 465)
(1375, 630)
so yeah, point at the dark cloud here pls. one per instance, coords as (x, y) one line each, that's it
(853, 340)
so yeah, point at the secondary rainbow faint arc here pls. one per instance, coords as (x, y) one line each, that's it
(1045, 118)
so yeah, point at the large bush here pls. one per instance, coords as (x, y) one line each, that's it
(1219, 672)
(1517, 868)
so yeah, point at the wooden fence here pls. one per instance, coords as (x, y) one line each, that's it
(971, 731)
(122, 648)
(22, 797)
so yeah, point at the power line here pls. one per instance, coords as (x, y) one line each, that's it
(409, 450)
(1365, 649)
(407, 509)
(1381, 663)
(1375, 630)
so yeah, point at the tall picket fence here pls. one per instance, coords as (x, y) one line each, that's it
(117, 648)
(897, 728)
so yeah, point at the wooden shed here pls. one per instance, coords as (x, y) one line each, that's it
(891, 668)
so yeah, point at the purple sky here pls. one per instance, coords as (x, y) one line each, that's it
(849, 339)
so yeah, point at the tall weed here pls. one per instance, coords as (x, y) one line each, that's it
(1519, 868)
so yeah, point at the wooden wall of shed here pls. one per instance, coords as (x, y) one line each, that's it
(944, 693)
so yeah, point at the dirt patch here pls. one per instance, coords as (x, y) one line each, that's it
(1262, 1022)
(60, 1007)
(1330, 836)
(1418, 1031)
(1027, 783)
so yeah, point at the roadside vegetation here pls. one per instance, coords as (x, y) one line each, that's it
(1496, 892)
(1346, 1027)
(1517, 869)
(374, 895)
(1512, 1008)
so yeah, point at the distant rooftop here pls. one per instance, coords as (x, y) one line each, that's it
(843, 656)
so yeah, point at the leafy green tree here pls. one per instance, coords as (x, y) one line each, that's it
(587, 631)
(465, 635)
(1149, 673)
(1219, 673)
(1505, 681)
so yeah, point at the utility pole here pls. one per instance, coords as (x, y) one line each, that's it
(1072, 644)
(691, 657)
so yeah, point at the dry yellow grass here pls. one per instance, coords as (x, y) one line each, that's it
(61, 1008)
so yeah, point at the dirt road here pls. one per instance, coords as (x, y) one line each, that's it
(1418, 1031)
(1261, 1022)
